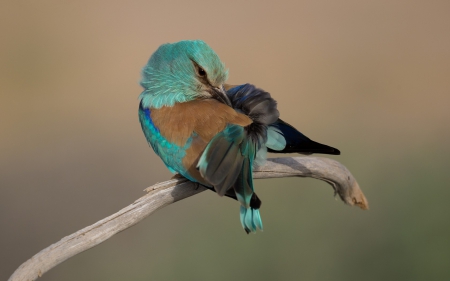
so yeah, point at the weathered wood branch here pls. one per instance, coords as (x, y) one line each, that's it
(168, 192)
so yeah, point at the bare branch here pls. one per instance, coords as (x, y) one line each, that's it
(168, 192)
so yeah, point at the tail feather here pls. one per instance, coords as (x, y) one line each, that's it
(244, 184)
(250, 219)
(243, 187)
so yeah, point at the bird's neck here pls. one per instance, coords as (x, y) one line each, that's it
(158, 100)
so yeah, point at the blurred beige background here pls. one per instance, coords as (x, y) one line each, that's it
(371, 78)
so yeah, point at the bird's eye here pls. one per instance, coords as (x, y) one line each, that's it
(201, 72)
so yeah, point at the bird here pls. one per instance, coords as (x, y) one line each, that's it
(210, 132)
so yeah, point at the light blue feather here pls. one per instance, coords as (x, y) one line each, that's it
(275, 139)
(250, 219)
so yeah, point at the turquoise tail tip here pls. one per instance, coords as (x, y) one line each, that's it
(251, 219)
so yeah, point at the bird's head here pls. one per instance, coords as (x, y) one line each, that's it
(182, 72)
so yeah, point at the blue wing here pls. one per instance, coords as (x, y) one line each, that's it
(227, 163)
(280, 137)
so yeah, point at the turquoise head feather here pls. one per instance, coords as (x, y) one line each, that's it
(177, 73)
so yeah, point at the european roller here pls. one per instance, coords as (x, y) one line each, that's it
(212, 133)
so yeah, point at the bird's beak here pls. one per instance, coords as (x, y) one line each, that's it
(219, 94)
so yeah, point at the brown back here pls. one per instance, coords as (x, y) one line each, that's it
(205, 117)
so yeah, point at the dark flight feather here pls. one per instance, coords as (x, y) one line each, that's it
(222, 160)
(297, 142)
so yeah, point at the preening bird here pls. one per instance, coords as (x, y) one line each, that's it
(210, 132)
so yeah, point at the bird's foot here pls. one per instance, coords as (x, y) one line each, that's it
(176, 177)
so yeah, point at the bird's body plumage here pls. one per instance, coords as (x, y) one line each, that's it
(209, 135)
